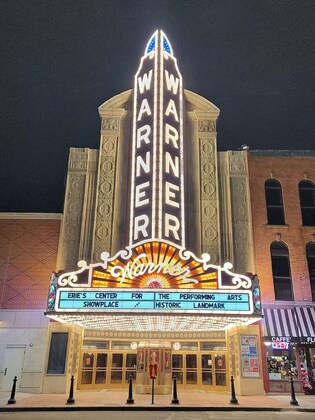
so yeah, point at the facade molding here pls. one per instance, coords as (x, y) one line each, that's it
(31, 216)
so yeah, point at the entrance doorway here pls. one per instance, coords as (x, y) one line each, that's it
(106, 369)
(13, 365)
(200, 370)
(213, 370)
(197, 365)
(123, 366)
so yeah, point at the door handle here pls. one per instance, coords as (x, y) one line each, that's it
(5, 371)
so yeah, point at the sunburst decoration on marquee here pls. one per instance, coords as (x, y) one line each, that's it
(155, 265)
(151, 265)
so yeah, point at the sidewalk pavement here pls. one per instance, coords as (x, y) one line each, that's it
(189, 401)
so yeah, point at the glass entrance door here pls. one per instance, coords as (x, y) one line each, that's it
(101, 370)
(206, 369)
(123, 365)
(117, 369)
(191, 369)
(200, 369)
(213, 370)
(220, 370)
(93, 370)
(178, 368)
(184, 366)
(131, 366)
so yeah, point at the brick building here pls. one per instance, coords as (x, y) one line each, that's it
(28, 252)
(282, 192)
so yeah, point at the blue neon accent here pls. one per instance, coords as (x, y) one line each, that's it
(151, 46)
(166, 46)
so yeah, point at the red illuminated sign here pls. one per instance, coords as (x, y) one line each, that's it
(280, 345)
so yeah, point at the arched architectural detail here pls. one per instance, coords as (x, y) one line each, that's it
(310, 255)
(281, 271)
(307, 202)
(274, 202)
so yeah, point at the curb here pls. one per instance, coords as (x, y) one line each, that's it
(150, 408)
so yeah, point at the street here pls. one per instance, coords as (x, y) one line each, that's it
(157, 415)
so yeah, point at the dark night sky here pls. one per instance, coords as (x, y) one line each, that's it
(60, 60)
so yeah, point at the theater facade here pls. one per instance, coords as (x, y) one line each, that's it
(155, 258)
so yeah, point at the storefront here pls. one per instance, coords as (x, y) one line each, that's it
(289, 347)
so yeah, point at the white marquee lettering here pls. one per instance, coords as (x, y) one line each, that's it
(171, 164)
(143, 135)
(141, 224)
(171, 134)
(144, 82)
(171, 225)
(144, 109)
(169, 194)
(140, 194)
(171, 82)
(141, 164)
(171, 109)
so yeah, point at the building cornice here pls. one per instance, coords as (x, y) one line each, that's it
(31, 216)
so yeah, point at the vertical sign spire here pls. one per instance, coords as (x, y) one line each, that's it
(157, 181)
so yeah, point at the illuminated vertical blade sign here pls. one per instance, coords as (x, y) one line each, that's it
(157, 183)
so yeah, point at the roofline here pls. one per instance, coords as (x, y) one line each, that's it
(31, 216)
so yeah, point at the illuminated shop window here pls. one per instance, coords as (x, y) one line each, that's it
(310, 254)
(281, 271)
(274, 202)
(281, 364)
(57, 353)
(307, 202)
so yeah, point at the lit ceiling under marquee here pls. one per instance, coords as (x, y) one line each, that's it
(141, 323)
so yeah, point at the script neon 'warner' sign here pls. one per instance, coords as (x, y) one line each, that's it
(157, 192)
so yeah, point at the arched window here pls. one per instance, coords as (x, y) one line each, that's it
(281, 271)
(274, 203)
(310, 255)
(307, 202)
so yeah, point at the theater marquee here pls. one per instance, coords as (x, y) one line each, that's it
(154, 277)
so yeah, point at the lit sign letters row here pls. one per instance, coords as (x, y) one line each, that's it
(139, 300)
(157, 173)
